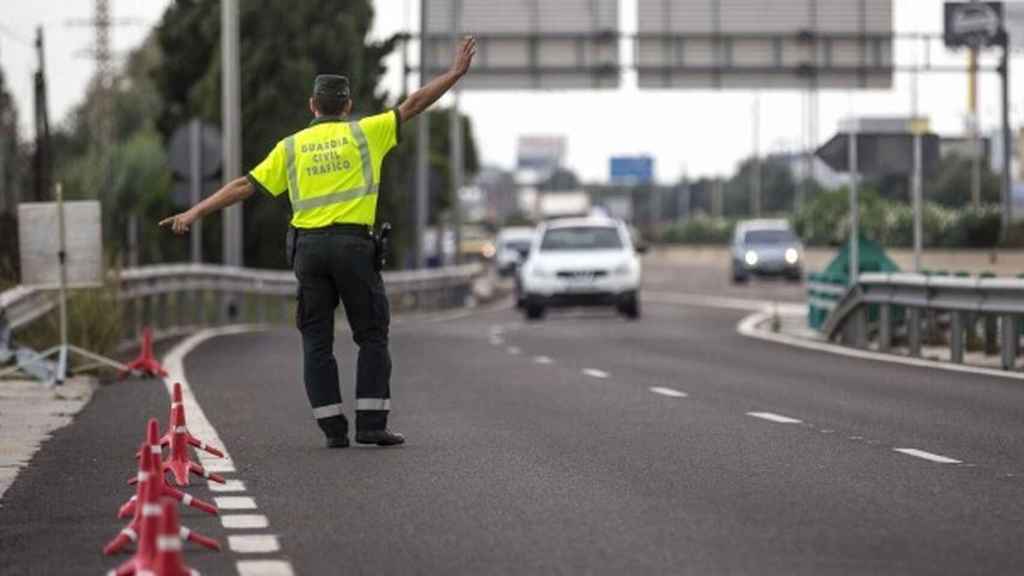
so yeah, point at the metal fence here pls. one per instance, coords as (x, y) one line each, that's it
(915, 309)
(180, 298)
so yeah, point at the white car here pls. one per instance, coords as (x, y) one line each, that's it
(581, 262)
(513, 244)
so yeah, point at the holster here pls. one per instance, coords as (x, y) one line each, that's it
(290, 238)
(382, 246)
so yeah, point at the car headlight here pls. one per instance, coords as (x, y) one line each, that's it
(750, 258)
(487, 251)
(792, 255)
(623, 269)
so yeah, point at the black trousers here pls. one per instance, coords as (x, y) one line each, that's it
(332, 266)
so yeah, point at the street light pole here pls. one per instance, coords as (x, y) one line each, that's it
(231, 109)
(422, 144)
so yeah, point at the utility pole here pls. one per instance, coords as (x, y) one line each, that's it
(755, 177)
(231, 109)
(973, 125)
(455, 142)
(422, 146)
(41, 157)
(1007, 183)
(854, 205)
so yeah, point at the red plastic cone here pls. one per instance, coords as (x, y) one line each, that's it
(179, 462)
(146, 362)
(177, 421)
(154, 473)
(168, 560)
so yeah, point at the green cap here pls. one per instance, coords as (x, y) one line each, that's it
(331, 85)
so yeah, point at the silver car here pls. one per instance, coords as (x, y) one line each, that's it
(766, 248)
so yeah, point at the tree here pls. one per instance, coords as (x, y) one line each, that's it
(10, 183)
(951, 184)
(778, 188)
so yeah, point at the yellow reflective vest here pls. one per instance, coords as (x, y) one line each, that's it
(331, 169)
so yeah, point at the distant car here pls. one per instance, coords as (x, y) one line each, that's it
(765, 248)
(581, 262)
(513, 245)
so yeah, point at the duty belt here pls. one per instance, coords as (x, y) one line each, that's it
(341, 229)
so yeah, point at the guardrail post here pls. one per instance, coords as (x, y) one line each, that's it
(884, 327)
(914, 331)
(1010, 339)
(991, 334)
(956, 337)
(219, 307)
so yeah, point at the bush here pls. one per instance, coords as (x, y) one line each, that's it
(824, 221)
(94, 322)
(699, 230)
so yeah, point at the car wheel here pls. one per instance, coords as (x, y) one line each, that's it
(630, 308)
(534, 311)
(739, 278)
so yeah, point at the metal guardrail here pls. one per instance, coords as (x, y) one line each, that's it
(180, 298)
(937, 309)
(823, 293)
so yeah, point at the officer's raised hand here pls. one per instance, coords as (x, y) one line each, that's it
(421, 99)
(180, 223)
(464, 56)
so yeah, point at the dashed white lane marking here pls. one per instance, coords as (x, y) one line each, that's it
(772, 417)
(264, 568)
(542, 360)
(927, 455)
(595, 373)
(514, 350)
(230, 485)
(670, 392)
(234, 502)
(244, 521)
(254, 543)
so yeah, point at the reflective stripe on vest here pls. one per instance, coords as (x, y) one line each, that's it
(338, 196)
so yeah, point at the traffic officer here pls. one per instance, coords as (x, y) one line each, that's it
(331, 171)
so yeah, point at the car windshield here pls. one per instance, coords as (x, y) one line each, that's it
(581, 238)
(777, 236)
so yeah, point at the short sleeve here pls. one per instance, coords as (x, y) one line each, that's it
(382, 131)
(271, 175)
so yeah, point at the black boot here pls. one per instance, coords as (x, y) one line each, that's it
(372, 428)
(379, 437)
(335, 428)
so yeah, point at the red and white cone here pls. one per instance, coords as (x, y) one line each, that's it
(145, 363)
(154, 473)
(168, 560)
(147, 508)
(178, 422)
(179, 462)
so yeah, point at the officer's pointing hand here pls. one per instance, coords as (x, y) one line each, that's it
(179, 223)
(464, 56)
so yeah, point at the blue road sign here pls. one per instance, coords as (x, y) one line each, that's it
(632, 170)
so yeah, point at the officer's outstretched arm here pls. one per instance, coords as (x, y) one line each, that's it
(421, 99)
(235, 191)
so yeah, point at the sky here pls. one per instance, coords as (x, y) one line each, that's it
(696, 133)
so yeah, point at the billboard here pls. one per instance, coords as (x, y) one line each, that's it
(631, 170)
(540, 153)
(974, 24)
(765, 44)
(528, 44)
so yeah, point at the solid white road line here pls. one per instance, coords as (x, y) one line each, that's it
(230, 485)
(772, 417)
(264, 568)
(670, 392)
(595, 373)
(927, 455)
(234, 502)
(542, 360)
(514, 350)
(244, 521)
(254, 543)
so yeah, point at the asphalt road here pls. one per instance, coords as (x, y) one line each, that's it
(542, 448)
